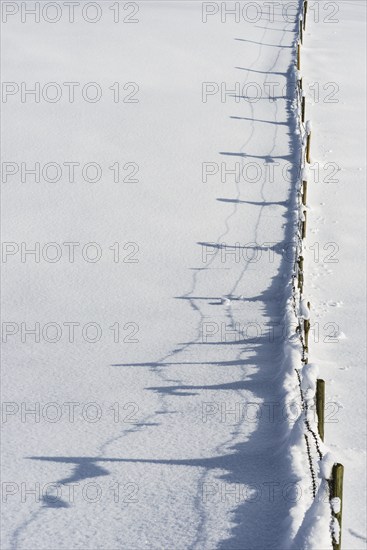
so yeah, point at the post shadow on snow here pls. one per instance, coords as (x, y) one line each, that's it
(268, 158)
(183, 363)
(258, 120)
(224, 246)
(255, 203)
(229, 296)
(275, 20)
(83, 470)
(256, 99)
(281, 46)
(256, 522)
(216, 301)
(357, 535)
(261, 72)
(186, 390)
(279, 248)
(260, 356)
(272, 29)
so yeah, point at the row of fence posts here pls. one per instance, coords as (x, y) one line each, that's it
(336, 480)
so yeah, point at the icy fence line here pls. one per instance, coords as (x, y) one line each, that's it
(311, 389)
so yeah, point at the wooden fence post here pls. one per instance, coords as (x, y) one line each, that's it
(308, 147)
(304, 192)
(300, 274)
(301, 30)
(320, 407)
(305, 5)
(306, 326)
(304, 224)
(299, 57)
(337, 491)
(303, 107)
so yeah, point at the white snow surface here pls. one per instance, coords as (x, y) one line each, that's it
(200, 441)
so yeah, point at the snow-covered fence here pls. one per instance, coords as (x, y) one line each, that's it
(302, 310)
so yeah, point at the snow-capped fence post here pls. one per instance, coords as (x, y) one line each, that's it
(307, 326)
(304, 14)
(320, 406)
(336, 492)
(304, 224)
(298, 57)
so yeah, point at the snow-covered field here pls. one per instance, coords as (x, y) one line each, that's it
(149, 392)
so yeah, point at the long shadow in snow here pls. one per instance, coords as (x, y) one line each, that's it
(282, 46)
(255, 203)
(263, 527)
(257, 466)
(268, 158)
(259, 120)
(261, 72)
